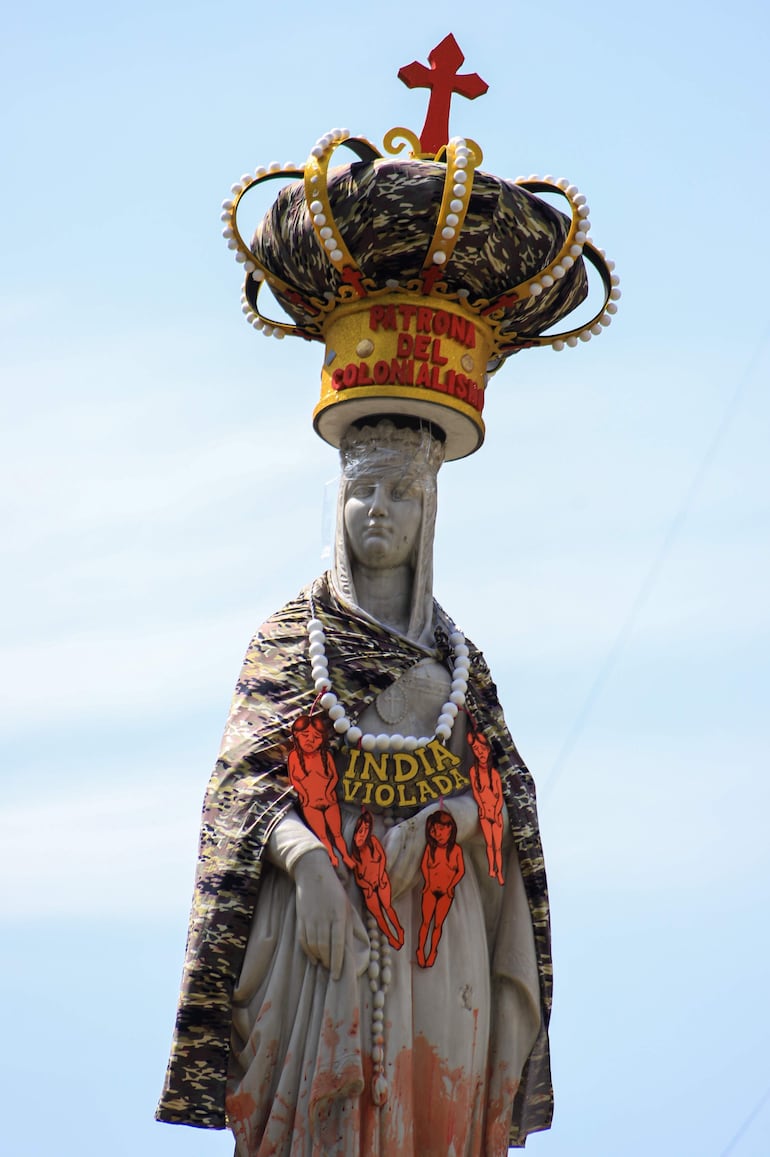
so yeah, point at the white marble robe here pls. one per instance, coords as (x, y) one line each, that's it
(456, 1035)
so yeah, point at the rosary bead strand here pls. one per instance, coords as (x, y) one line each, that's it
(354, 736)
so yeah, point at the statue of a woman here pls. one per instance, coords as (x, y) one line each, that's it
(341, 1042)
(368, 964)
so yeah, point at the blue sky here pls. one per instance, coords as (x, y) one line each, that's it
(164, 492)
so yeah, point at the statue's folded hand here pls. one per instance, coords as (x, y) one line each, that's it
(323, 911)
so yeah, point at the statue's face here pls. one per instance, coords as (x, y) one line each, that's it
(382, 519)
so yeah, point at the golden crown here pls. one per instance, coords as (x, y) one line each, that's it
(420, 272)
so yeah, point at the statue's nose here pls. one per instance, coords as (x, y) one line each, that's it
(378, 506)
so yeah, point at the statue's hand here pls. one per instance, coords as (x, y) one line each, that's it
(323, 911)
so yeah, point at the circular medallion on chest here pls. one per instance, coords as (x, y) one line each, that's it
(391, 704)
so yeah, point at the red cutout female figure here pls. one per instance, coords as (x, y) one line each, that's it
(314, 778)
(488, 793)
(373, 880)
(442, 867)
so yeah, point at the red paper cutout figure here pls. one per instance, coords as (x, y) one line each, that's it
(372, 878)
(442, 867)
(488, 793)
(314, 778)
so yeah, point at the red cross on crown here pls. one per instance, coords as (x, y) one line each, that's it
(443, 80)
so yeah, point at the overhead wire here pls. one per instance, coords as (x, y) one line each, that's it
(746, 1123)
(649, 579)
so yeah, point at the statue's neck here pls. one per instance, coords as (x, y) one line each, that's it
(385, 594)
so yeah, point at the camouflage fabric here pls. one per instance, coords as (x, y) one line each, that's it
(249, 793)
(386, 211)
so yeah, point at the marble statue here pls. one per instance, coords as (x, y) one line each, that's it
(368, 968)
(368, 965)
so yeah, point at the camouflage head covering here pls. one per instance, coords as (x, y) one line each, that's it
(386, 211)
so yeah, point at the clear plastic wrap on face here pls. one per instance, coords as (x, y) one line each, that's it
(389, 467)
(383, 514)
(390, 447)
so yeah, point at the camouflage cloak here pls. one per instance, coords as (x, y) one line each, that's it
(249, 793)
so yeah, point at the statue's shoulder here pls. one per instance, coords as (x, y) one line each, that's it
(286, 628)
(446, 626)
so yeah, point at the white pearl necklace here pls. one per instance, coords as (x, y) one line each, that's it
(354, 736)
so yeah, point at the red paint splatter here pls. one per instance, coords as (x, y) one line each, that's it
(499, 1119)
